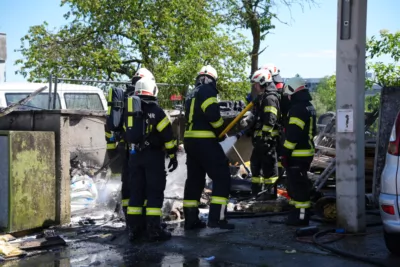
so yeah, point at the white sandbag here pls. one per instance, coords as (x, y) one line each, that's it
(77, 207)
(80, 186)
(81, 194)
(84, 183)
(78, 178)
(228, 144)
(84, 201)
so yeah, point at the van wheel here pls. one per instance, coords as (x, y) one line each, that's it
(392, 241)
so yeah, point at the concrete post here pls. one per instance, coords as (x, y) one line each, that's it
(3, 56)
(350, 86)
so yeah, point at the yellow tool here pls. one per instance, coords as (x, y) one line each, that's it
(235, 120)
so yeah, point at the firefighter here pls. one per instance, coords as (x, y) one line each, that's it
(284, 105)
(204, 153)
(116, 141)
(147, 161)
(298, 149)
(263, 158)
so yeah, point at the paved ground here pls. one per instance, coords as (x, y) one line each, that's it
(255, 242)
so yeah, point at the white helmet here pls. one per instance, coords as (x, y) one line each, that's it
(146, 86)
(209, 71)
(293, 85)
(272, 68)
(143, 72)
(262, 77)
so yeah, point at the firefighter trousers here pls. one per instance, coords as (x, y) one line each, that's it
(125, 179)
(263, 164)
(205, 156)
(279, 142)
(124, 159)
(298, 185)
(147, 180)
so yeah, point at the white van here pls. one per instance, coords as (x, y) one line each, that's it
(69, 96)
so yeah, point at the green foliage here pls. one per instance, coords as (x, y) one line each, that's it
(256, 16)
(388, 44)
(324, 98)
(385, 75)
(110, 40)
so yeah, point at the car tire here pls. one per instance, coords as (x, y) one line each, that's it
(392, 242)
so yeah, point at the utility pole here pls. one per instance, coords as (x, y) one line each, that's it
(3, 56)
(350, 122)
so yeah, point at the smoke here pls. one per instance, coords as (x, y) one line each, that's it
(176, 179)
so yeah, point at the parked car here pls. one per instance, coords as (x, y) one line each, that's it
(389, 200)
(69, 96)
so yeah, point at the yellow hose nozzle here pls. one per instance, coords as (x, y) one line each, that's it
(235, 120)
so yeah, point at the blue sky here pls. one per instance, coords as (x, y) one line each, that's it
(306, 46)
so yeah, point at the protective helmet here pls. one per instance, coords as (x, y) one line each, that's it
(209, 71)
(143, 72)
(262, 77)
(272, 68)
(293, 85)
(147, 87)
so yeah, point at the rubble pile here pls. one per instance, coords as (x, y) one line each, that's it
(278, 205)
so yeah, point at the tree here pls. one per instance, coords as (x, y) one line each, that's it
(388, 44)
(256, 16)
(110, 40)
(324, 98)
(384, 75)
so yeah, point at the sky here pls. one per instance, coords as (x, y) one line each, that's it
(306, 46)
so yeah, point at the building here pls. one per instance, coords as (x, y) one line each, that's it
(312, 84)
(3, 57)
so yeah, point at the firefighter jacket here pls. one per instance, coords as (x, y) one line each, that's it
(158, 133)
(113, 138)
(285, 107)
(267, 114)
(203, 117)
(301, 128)
(284, 100)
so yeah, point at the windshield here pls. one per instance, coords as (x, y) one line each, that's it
(40, 101)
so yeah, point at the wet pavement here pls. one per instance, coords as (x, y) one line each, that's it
(254, 242)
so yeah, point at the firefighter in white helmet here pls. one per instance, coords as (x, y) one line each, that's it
(116, 138)
(263, 158)
(140, 73)
(284, 105)
(149, 135)
(298, 149)
(204, 153)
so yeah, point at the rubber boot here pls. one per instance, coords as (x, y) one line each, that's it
(255, 189)
(221, 224)
(192, 220)
(214, 215)
(298, 217)
(144, 224)
(266, 195)
(135, 228)
(154, 230)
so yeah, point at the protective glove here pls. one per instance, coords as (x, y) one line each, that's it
(284, 161)
(173, 163)
(248, 98)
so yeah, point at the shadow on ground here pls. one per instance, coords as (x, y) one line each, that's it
(255, 242)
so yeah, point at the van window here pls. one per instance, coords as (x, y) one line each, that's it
(40, 101)
(89, 101)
